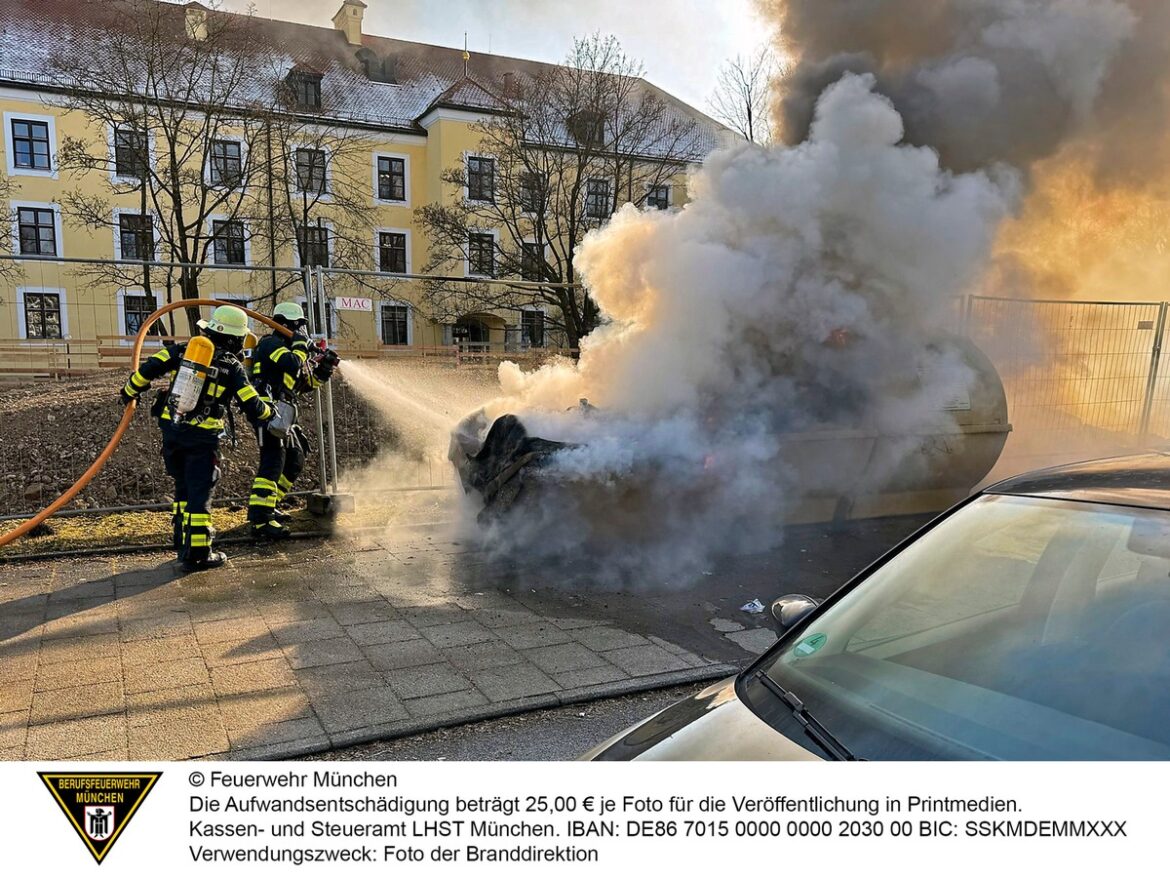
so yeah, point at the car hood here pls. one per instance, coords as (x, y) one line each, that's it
(711, 726)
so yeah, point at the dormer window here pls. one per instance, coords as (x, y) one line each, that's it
(587, 127)
(304, 89)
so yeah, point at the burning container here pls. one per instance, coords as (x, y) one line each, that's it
(873, 467)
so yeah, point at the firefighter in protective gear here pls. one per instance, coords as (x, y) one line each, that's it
(282, 368)
(190, 446)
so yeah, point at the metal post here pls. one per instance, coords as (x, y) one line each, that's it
(1152, 379)
(324, 323)
(316, 393)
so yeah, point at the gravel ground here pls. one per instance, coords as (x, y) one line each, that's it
(51, 431)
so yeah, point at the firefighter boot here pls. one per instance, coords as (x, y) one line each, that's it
(210, 562)
(270, 530)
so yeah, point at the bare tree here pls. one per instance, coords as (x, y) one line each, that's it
(9, 268)
(320, 189)
(566, 147)
(741, 95)
(173, 97)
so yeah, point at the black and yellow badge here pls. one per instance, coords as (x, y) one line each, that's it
(99, 805)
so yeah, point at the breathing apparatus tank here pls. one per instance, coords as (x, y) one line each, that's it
(248, 351)
(192, 377)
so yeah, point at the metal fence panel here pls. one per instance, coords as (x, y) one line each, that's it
(1077, 374)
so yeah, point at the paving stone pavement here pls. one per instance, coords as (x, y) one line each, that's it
(297, 649)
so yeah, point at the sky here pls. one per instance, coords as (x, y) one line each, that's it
(680, 42)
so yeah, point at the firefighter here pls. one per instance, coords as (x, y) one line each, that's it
(282, 368)
(191, 416)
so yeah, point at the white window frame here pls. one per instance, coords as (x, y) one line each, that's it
(378, 250)
(543, 309)
(328, 224)
(120, 179)
(495, 233)
(396, 303)
(120, 298)
(472, 154)
(532, 214)
(118, 213)
(10, 152)
(21, 322)
(585, 205)
(228, 266)
(15, 206)
(669, 196)
(327, 195)
(406, 184)
(243, 165)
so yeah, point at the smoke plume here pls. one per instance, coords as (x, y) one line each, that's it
(808, 286)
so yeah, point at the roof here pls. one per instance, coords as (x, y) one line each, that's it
(1133, 480)
(425, 75)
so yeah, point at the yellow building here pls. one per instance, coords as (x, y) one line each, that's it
(370, 130)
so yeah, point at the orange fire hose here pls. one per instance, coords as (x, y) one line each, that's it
(127, 416)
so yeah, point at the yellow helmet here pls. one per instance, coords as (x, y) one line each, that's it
(227, 320)
(290, 311)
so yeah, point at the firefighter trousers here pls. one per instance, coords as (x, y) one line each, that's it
(191, 459)
(281, 461)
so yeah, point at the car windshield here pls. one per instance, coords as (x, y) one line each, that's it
(1017, 628)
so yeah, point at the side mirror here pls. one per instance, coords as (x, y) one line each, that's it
(789, 610)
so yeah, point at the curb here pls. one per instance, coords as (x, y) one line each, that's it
(144, 548)
(408, 728)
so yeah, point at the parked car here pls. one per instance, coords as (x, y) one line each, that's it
(1030, 622)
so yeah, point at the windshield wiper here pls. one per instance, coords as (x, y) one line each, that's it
(812, 726)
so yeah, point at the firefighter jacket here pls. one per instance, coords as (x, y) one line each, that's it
(278, 367)
(229, 382)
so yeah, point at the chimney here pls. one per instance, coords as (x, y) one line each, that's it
(195, 15)
(348, 20)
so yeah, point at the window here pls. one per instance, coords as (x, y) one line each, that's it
(313, 243)
(30, 145)
(328, 317)
(42, 315)
(481, 178)
(587, 127)
(392, 252)
(481, 254)
(311, 171)
(136, 236)
(395, 324)
(227, 237)
(658, 197)
(532, 262)
(129, 153)
(227, 163)
(597, 199)
(38, 231)
(533, 192)
(304, 90)
(136, 308)
(391, 179)
(532, 327)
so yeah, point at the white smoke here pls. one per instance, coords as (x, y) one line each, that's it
(796, 290)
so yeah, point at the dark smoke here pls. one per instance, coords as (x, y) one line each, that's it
(987, 81)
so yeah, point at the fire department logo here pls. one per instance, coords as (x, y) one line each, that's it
(99, 806)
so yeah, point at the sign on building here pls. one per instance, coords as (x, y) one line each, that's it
(353, 303)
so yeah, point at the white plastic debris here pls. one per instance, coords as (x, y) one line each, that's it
(754, 606)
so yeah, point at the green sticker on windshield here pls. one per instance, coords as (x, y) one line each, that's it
(811, 644)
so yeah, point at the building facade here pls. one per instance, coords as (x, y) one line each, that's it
(369, 131)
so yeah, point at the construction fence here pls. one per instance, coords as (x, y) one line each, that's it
(77, 319)
(1081, 378)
